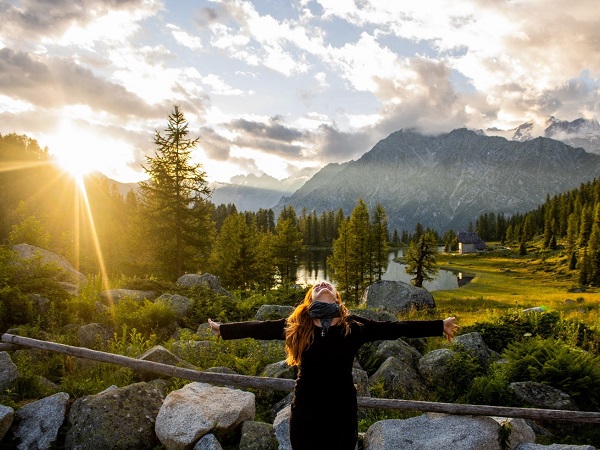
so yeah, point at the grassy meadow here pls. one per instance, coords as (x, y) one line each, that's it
(504, 280)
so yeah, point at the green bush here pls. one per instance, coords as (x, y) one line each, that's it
(147, 317)
(552, 362)
(463, 368)
(516, 325)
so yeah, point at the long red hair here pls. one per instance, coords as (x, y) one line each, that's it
(299, 329)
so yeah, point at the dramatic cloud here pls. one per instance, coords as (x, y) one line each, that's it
(283, 88)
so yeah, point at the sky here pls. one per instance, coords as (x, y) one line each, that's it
(285, 87)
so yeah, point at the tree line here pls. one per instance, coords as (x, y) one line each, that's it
(570, 219)
(170, 226)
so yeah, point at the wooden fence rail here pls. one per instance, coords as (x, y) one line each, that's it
(242, 381)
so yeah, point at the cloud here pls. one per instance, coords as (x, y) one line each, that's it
(34, 19)
(55, 82)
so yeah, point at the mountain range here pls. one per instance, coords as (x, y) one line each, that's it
(447, 181)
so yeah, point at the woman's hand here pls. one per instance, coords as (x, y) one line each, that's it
(450, 328)
(216, 327)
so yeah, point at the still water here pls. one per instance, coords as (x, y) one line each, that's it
(314, 268)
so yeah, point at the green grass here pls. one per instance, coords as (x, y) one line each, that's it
(505, 280)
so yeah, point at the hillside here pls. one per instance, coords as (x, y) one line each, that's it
(447, 181)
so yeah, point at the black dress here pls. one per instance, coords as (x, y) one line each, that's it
(324, 409)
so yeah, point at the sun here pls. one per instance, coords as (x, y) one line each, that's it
(74, 163)
(73, 150)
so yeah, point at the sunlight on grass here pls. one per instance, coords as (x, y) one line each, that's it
(505, 280)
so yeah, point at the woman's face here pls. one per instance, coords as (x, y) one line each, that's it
(324, 292)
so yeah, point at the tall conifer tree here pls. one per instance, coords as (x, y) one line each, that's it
(174, 200)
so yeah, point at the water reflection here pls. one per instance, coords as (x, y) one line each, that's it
(314, 268)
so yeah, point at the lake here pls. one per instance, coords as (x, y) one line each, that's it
(314, 268)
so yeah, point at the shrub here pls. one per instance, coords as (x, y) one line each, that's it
(514, 326)
(463, 367)
(147, 317)
(552, 362)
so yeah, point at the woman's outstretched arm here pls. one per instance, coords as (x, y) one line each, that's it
(257, 329)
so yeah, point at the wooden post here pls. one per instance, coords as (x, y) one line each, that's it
(287, 385)
(279, 384)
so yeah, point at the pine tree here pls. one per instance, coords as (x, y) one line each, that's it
(286, 247)
(420, 259)
(380, 248)
(236, 255)
(174, 200)
(340, 261)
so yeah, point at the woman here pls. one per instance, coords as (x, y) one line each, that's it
(322, 339)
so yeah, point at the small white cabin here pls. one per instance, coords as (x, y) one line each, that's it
(470, 242)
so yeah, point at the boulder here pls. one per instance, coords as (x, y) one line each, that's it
(279, 369)
(474, 344)
(531, 446)
(197, 409)
(94, 335)
(70, 278)
(361, 382)
(258, 436)
(434, 366)
(374, 314)
(396, 297)
(6, 418)
(161, 355)
(8, 371)
(208, 442)
(437, 431)
(396, 379)
(40, 304)
(273, 312)
(186, 349)
(115, 418)
(113, 296)
(181, 306)
(39, 422)
(538, 395)
(398, 349)
(191, 280)
(281, 424)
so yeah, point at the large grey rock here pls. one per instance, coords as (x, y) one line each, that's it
(39, 422)
(181, 306)
(211, 281)
(8, 371)
(117, 418)
(197, 409)
(189, 348)
(73, 279)
(396, 297)
(374, 314)
(398, 349)
(360, 379)
(6, 418)
(279, 369)
(530, 446)
(161, 355)
(281, 424)
(94, 335)
(474, 344)
(434, 366)
(273, 312)
(208, 442)
(396, 379)
(437, 431)
(540, 395)
(113, 296)
(40, 303)
(258, 436)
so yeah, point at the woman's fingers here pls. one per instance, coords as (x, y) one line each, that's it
(216, 327)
